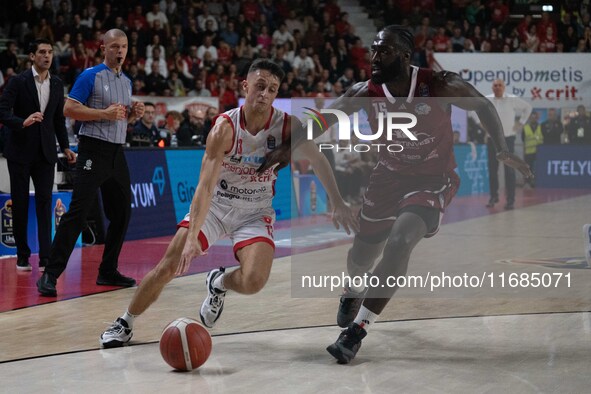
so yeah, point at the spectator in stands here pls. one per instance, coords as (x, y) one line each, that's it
(155, 83)
(441, 42)
(532, 42)
(204, 18)
(207, 47)
(79, 61)
(264, 40)
(495, 40)
(545, 22)
(175, 84)
(137, 14)
(156, 14)
(145, 132)
(199, 90)
(499, 13)
(78, 27)
(282, 35)
(569, 38)
(230, 35)
(303, 64)
(549, 40)
(192, 131)
(155, 43)
(156, 60)
(347, 79)
(8, 57)
(579, 127)
(476, 13)
(62, 51)
(293, 23)
(457, 40)
(342, 24)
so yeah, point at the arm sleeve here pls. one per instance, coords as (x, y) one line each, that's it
(83, 87)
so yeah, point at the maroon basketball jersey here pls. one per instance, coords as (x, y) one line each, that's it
(432, 152)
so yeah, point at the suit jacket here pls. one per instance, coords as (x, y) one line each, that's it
(18, 101)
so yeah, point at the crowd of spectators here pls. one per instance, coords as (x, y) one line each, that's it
(197, 48)
(471, 26)
(202, 48)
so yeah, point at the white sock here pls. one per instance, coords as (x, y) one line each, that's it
(365, 318)
(218, 283)
(129, 318)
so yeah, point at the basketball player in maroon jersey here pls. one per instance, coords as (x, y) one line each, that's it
(409, 190)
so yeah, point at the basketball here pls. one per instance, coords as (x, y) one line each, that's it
(185, 344)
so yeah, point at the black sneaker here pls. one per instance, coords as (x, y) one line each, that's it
(349, 305)
(492, 202)
(213, 305)
(348, 343)
(115, 279)
(22, 264)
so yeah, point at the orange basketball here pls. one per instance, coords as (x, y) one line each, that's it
(185, 344)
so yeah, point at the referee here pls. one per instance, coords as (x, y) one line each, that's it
(101, 99)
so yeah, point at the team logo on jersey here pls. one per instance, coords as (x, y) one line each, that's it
(422, 109)
(106, 88)
(423, 90)
(271, 142)
(224, 184)
(235, 159)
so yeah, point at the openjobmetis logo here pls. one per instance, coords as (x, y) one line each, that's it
(392, 127)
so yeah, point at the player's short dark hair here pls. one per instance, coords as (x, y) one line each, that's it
(34, 45)
(266, 64)
(151, 104)
(404, 36)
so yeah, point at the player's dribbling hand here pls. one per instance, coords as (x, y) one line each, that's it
(514, 161)
(342, 215)
(115, 112)
(191, 250)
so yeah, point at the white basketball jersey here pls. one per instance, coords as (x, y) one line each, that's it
(239, 184)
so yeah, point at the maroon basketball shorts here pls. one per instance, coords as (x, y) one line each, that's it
(390, 193)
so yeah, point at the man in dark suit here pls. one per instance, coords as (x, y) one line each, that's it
(31, 107)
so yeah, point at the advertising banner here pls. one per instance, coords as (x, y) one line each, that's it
(563, 166)
(545, 78)
(152, 212)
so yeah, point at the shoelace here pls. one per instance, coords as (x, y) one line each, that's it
(350, 337)
(216, 301)
(115, 328)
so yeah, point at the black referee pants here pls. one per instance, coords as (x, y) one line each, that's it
(100, 165)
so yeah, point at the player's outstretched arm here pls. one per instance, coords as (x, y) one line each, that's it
(218, 142)
(298, 135)
(341, 214)
(462, 94)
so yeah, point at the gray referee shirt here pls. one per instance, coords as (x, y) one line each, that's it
(99, 87)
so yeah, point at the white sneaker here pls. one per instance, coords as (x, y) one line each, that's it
(117, 335)
(212, 307)
(587, 237)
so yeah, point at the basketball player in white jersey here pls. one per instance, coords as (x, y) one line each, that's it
(233, 199)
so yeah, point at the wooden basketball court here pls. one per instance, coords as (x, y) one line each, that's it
(486, 338)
